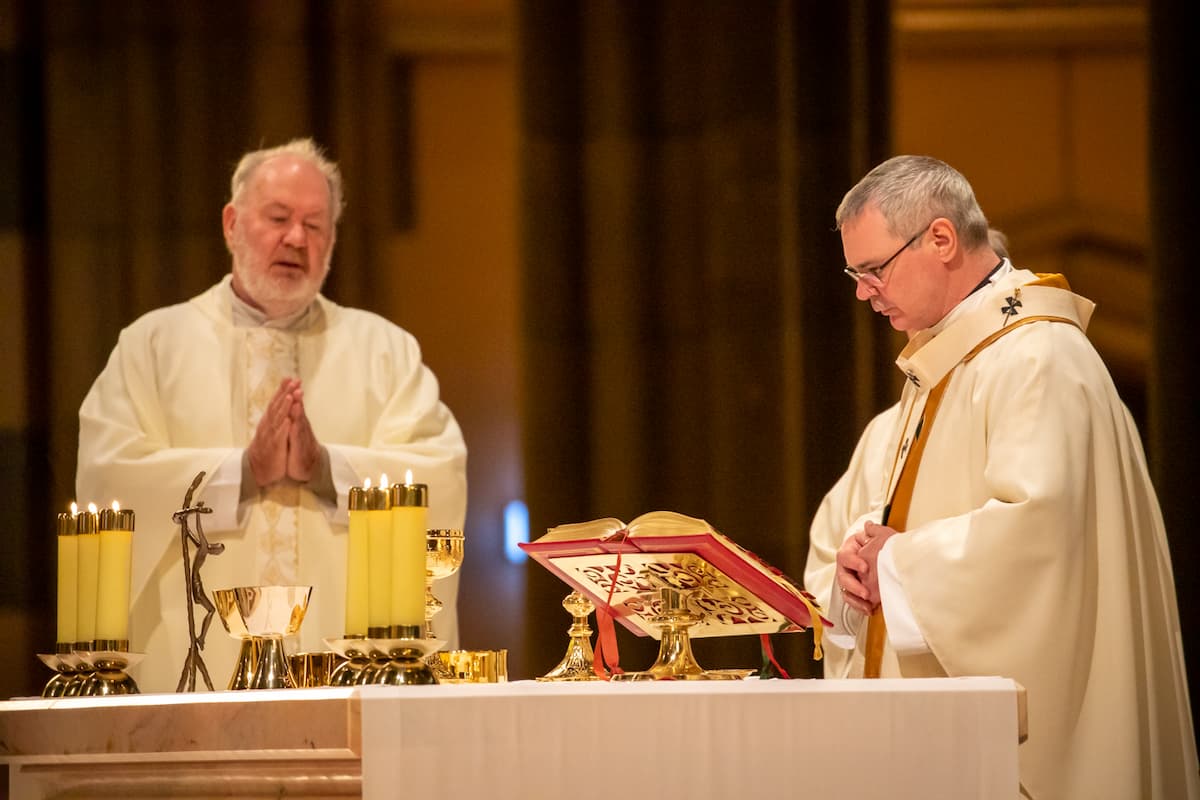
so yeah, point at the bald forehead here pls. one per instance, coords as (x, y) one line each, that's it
(289, 176)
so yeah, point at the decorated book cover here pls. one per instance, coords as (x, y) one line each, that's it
(625, 565)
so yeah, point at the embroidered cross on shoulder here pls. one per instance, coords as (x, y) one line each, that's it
(1014, 302)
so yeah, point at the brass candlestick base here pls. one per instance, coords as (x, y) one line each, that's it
(405, 666)
(355, 658)
(579, 662)
(391, 661)
(675, 660)
(65, 665)
(105, 674)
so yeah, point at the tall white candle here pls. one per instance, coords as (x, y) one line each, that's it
(357, 563)
(88, 536)
(410, 509)
(379, 560)
(68, 577)
(112, 586)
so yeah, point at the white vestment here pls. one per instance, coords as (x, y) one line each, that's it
(854, 494)
(1034, 549)
(173, 401)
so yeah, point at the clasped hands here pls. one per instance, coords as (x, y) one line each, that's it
(857, 567)
(284, 445)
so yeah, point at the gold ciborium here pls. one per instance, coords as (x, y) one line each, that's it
(260, 616)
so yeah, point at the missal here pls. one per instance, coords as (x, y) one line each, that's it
(624, 566)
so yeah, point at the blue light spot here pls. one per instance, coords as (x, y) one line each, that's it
(516, 529)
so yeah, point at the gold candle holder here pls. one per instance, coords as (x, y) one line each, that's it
(108, 675)
(396, 661)
(579, 662)
(355, 655)
(63, 662)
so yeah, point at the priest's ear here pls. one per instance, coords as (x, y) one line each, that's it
(228, 220)
(945, 238)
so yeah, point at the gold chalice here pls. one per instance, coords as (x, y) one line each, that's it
(443, 557)
(260, 616)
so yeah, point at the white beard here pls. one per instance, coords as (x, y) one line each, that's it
(277, 295)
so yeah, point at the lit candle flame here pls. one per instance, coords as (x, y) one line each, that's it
(74, 509)
(116, 506)
(383, 481)
(366, 483)
(91, 508)
(408, 477)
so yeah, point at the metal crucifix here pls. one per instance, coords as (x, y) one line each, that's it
(194, 586)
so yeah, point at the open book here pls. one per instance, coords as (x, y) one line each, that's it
(625, 565)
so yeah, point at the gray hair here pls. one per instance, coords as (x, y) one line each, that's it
(911, 191)
(306, 149)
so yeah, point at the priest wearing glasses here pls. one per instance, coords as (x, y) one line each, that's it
(1017, 532)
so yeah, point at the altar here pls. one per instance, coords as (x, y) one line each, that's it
(951, 737)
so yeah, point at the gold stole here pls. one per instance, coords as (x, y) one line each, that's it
(902, 496)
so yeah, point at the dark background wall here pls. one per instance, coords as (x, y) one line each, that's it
(610, 226)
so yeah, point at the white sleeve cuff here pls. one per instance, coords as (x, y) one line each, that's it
(904, 635)
(223, 494)
(344, 477)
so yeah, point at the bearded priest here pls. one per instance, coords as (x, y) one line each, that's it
(284, 400)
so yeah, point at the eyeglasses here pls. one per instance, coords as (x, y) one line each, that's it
(871, 275)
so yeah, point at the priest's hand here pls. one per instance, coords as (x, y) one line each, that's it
(873, 537)
(851, 573)
(303, 449)
(268, 450)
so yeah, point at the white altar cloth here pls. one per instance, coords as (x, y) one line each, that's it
(953, 737)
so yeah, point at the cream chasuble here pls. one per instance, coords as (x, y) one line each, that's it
(270, 358)
(1034, 549)
(858, 489)
(180, 394)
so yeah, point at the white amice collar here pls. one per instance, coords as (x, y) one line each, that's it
(933, 352)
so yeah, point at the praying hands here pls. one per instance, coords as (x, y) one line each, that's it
(284, 445)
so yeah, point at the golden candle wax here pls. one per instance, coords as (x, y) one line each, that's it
(410, 508)
(68, 578)
(379, 560)
(88, 542)
(357, 560)
(112, 586)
